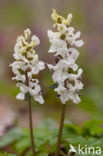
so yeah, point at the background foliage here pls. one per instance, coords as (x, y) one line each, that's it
(18, 139)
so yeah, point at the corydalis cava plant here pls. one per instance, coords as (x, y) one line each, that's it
(66, 73)
(27, 66)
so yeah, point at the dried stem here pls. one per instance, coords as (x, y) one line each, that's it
(60, 129)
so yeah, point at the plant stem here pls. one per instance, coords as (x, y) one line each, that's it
(30, 116)
(60, 129)
(31, 127)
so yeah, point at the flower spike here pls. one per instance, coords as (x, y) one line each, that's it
(27, 66)
(66, 73)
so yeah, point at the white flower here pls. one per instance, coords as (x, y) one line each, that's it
(59, 19)
(72, 38)
(70, 17)
(27, 33)
(55, 41)
(27, 66)
(34, 89)
(35, 40)
(21, 96)
(66, 74)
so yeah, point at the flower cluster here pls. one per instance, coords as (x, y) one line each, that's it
(27, 66)
(66, 74)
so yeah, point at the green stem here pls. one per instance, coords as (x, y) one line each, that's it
(31, 127)
(61, 129)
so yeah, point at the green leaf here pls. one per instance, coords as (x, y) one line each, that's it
(45, 137)
(29, 153)
(92, 128)
(42, 154)
(48, 124)
(22, 145)
(70, 130)
(78, 140)
(13, 135)
(94, 142)
(7, 154)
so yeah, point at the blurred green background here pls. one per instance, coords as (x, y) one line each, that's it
(17, 15)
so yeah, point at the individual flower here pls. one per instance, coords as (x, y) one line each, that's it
(26, 66)
(66, 73)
